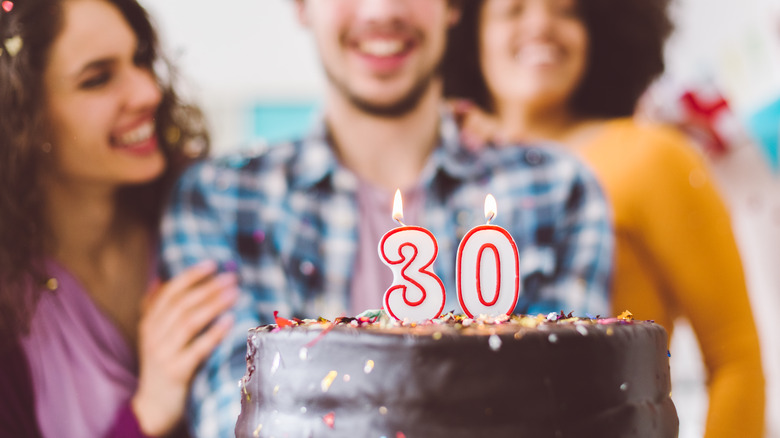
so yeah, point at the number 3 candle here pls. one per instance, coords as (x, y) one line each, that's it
(488, 268)
(416, 294)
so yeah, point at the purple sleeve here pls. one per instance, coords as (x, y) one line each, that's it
(126, 425)
(17, 401)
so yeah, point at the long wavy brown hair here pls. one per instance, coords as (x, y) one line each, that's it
(23, 128)
(626, 53)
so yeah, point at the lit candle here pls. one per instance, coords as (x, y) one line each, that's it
(416, 294)
(487, 269)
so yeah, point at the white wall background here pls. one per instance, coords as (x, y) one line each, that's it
(234, 53)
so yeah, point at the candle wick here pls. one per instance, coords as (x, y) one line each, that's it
(400, 222)
(492, 216)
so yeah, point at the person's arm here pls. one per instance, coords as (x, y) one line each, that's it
(688, 229)
(198, 226)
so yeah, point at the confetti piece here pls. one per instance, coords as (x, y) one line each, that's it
(7, 6)
(281, 322)
(369, 366)
(495, 342)
(314, 341)
(329, 419)
(328, 380)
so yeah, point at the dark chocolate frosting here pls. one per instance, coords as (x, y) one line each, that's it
(528, 377)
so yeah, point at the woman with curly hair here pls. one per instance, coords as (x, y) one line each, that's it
(91, 138)
(571, 72)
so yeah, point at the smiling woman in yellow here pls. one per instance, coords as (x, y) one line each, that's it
(571, 72)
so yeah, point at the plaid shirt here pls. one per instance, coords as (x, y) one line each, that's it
(285, 219)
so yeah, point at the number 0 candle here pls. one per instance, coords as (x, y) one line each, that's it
(488, 268)
(416, 294)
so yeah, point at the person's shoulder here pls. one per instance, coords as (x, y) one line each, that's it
(648, 137)
(244, 162)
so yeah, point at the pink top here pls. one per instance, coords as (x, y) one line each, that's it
(83, 370)
(375, 211)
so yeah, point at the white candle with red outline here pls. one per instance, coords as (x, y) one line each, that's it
(487, 268)
(416, 294)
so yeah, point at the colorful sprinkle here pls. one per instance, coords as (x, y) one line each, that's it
(328, 380)
(276, 389)
(347, 377)
(400, 434)
(553, 338)
(329, 419)
(369, 366)
(437, 336)
(303, 409)
(624, 386)
(275, 364)
(383, 410)
(282, 322)
(303, 354)
(626, 316)
(8, 5)
(52, 284)
(257, 431)
(582, 330)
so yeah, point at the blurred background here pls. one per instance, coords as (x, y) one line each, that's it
(255, 72)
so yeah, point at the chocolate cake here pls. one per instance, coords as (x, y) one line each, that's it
(518, 376)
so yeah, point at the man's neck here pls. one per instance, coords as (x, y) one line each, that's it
(389, 152)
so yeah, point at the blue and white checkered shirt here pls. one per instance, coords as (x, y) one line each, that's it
(285, 219)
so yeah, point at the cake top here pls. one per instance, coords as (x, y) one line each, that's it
(380, 321)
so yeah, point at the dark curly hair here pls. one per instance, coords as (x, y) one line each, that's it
(183, 138)
(626, 53)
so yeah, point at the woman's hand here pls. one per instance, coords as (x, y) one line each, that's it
(174, 338)
(477, 128)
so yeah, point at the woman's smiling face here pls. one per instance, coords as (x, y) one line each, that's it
(532, 52)
(100, 101)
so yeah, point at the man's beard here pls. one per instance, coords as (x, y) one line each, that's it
(395, 109)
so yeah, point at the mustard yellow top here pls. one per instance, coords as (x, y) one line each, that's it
(676, 256)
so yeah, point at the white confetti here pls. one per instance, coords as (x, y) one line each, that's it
(495, 342)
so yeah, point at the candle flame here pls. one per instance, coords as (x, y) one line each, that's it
(398, 208)
(491, 209)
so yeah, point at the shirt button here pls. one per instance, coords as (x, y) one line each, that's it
(307, 268)
(533, 156)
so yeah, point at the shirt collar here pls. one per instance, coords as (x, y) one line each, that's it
(317, 163)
